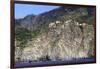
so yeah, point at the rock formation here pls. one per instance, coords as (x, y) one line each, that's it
(55, 35)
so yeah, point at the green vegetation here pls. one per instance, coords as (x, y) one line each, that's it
(34, 34)
(87, 19)
(91, 20)
(23, 35)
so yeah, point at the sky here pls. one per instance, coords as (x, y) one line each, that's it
(22, 10)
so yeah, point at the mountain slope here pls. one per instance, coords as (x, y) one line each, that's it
(59, 34)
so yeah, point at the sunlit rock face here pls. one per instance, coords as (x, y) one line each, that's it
(65, 41)
(61, 37)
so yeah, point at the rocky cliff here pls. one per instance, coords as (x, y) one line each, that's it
(65, 33)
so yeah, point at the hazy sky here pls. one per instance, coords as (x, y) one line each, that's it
(21, 10)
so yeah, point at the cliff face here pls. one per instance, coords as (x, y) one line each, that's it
(55, 35)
